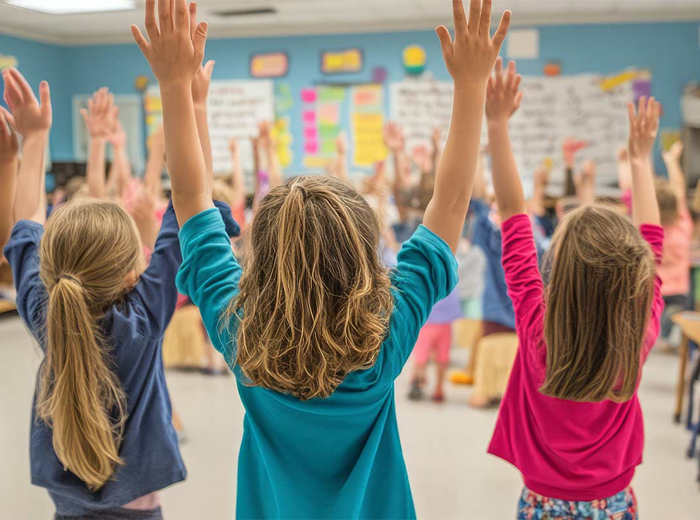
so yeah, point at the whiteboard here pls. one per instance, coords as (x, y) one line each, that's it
(552, 109)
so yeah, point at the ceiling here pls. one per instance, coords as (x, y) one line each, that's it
(333, 16)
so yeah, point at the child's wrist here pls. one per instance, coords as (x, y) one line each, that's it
(35, 137)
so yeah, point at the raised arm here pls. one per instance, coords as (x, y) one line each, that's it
(672, 159)
(644, 127)
(469, 59)
(9, 150)
(32, 120)
(541, 181)
(569, 150)
(156, 163)
(120, 174)
(585, 183)
(237, 180)
(200, 94)
(339, 168)
(502, 101)
(395, 141)
(267, 143)
(175, 57)
(99, 119)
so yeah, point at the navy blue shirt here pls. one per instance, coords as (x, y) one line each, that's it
(134, 328)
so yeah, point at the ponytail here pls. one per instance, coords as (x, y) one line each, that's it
(79, 395)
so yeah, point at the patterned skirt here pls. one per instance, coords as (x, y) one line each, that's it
(622, 506)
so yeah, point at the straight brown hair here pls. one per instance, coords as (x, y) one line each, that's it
(87, 251)
(598, 306)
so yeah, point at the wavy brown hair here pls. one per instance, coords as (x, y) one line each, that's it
(315, 299)
(598, 306)
(87, 251)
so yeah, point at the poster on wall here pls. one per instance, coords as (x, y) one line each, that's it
(271, 65)
(588, 107)
(367, 120)
(342, 62)
(321, 115)
(235, 109)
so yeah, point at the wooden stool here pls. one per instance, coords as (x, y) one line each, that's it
(493, 365)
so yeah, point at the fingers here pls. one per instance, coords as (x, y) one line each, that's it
(200, 39)
(518, 100)
(151, 23)
(445, 41)
(141, 41)
(631, 112)
(9, 118)
(181, 18)
(193, 19)
(460, 19)
(502, 30)
(165, 16)
(474, 16)
(209, 69)
(498, 74)
(485, 22)
(85, 114)
(45, 97)
(23, 85)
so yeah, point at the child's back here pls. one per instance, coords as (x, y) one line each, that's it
(339, 456)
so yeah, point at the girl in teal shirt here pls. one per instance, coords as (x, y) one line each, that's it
(316, 329)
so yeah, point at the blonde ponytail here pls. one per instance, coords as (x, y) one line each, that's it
(88, 249)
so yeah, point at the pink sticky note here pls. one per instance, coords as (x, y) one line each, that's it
(309, 95)
(311, 147)
(311, 133)
(309, 117)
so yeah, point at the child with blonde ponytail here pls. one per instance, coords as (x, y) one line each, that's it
(102, 440)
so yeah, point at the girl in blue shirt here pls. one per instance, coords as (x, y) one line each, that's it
(316, 329)
(102, 441)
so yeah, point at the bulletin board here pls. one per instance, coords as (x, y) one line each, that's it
(589, 107)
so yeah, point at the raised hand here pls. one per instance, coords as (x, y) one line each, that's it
(175, 50)
(394, 137)
(234, 146)
(118, 136)
(101, 115)
(585, 183)
(202, 79)
(9, 145)
(341, 144)
(471, 55)
(503, 96)
(674, 153)
(29, 116)
(570, 148)
(644, 127)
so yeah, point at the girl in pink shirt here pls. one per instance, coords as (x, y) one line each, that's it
(571, 421)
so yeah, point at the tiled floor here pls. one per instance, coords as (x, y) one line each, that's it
(445, 448)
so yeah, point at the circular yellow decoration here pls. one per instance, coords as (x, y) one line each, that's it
(414, 59)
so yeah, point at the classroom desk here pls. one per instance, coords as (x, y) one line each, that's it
(689, 322)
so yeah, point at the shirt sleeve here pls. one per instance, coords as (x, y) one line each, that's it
(22, 253)
(654, 235)
(522, 274)
(156, 293)
(210, 275)
(425, 274)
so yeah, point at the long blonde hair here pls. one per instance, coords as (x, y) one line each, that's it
(598, 306)
(88, 250)
(315, 297)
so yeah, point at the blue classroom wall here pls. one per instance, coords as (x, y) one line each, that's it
(670, 50)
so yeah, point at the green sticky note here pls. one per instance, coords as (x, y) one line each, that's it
(334, 94)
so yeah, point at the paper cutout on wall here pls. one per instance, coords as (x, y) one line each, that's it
(414, 59)
(272, 65)
(524, 44)
(367, 117)
(8, 62)
(281, 132)
(321, 119)
(341, 62)
(379, 75)
(552, 68)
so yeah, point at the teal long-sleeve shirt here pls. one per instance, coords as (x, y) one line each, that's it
(334, 458)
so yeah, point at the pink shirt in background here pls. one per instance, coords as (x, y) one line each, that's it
(564, 449)
(675, 264)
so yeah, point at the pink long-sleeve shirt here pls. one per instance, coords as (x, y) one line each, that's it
(564, 449)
